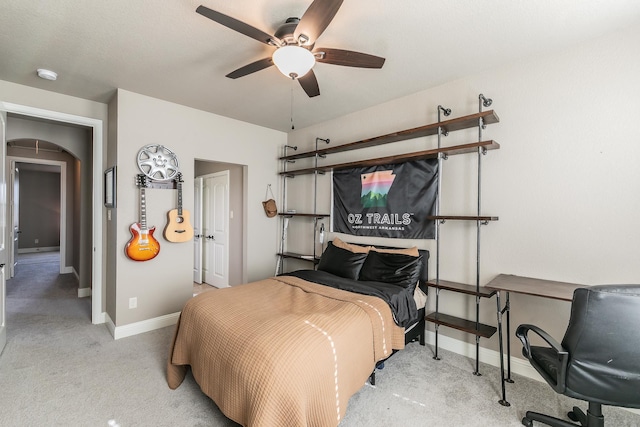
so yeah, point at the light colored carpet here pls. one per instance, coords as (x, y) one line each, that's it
(60, 370)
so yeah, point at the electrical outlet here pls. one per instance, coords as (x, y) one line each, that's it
(133, 302)
(37, 241)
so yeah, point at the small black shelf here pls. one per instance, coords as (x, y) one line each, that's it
(479, 329)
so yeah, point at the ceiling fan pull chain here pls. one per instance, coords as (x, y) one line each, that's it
(292, 125)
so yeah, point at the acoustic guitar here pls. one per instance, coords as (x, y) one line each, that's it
(178, 229)
(142, 246)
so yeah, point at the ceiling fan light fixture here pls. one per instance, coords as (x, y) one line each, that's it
(293, 61)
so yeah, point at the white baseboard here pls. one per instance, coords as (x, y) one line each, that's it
(518, 366)
(40, 249)
(99, 318)
(82, 292)
(140, 327)
(491, 357)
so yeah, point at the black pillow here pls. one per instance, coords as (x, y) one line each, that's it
(397, 269)
(341, 262)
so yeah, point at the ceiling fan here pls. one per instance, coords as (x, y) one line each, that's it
(294, 41)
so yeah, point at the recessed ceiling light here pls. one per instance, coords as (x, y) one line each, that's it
(47, 74)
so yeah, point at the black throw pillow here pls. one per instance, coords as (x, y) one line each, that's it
(341, 262)
(397, 269)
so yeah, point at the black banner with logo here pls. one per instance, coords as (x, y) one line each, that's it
(390, 201)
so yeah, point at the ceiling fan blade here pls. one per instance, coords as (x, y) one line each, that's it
(251, 68)
(239, 26)
(348, 58)
(316, 19)
(310, 84)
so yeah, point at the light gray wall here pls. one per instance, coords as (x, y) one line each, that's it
(236, 205)
(111, 217)
(39, 206)
(564, 183)
(163, 284)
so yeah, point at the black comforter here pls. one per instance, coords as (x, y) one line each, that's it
(403, 306)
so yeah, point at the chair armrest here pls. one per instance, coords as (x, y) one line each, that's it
(562, 354)
(522, 332)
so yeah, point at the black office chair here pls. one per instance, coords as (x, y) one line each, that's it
(599, 359)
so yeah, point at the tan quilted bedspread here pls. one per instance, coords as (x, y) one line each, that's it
(282, 351)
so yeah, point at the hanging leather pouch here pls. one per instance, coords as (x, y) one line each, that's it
(269, 205)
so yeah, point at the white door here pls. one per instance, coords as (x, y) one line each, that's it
(3, 228)
(14, 202)
(215, 218)
(197, 231)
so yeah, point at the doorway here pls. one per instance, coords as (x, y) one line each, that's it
(41, 179)
(91, 243)
(219, 222)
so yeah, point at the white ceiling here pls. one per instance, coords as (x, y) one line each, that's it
(168, 51)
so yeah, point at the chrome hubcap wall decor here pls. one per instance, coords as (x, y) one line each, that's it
(158, 162)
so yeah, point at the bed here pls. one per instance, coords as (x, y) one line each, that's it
(291, 350)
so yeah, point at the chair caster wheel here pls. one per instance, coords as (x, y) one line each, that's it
(527, 422)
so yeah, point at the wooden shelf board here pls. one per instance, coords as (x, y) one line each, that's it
(459, 123)
(321, 170)
(309, 215)
(303, 257)
(389, 160)
(306, 171)
(463, 217)
(471, 327)
(462, 288)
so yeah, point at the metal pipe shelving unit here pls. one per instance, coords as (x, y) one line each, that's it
(475, 290)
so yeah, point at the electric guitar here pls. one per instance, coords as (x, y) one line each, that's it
(178, 229)
(142, 246)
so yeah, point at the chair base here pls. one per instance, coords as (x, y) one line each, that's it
(593, 418)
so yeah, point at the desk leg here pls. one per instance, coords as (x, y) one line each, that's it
(507, 307)
(499, 312)
(437, 326)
